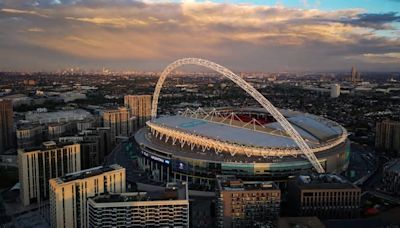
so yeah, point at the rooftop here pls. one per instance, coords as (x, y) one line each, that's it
(315, 130)
(176, 191)
(47, 146)
(231, 183)
(88, 173)
(142, 137)
(64, 115)
(323, 181)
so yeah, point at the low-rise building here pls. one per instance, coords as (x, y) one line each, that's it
(327, 196)
(58, 116)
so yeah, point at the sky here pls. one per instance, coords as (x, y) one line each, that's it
(258, 35)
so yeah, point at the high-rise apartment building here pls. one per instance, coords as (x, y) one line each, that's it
(29, 135)
(37, 166)
(141, 209)
(140, 106)
(95, 145)
(387, 137)
(69, 193)
(327, 196)
(246, 203)
(6, 125)
(102, 135)
(120, 122)
(56, 130)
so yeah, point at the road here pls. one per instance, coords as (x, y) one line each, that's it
(120, 156)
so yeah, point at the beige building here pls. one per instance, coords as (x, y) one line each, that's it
(120, 122)
(6, 125)
(37, 166)
(140, 106)
(246, 203)
(169, 208)
(69, 193)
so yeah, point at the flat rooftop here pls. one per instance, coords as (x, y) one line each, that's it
(88, 173)
(178, 192)
(231, 183)
(45, 146)
(323, 181)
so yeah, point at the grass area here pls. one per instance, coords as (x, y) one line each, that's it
(8, 177)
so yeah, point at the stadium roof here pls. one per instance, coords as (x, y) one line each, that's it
(312, 129)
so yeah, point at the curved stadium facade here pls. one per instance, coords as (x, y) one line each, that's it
(197, 145)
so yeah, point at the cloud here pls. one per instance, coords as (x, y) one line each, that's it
(16, 11)
(375, 20)
(119, 32)
(35, 29)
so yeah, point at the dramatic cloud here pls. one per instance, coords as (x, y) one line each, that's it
(148, 35)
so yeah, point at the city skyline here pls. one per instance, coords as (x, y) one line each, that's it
(253, 35)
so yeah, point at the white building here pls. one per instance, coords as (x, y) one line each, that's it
(69, 193)
(141, 209)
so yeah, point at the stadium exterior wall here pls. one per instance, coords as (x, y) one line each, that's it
(165, 163)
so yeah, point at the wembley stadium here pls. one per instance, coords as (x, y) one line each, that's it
(252, 143)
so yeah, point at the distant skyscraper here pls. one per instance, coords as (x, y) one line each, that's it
(387, 136)
(6, 125)
(335, 91)
(169, 208)
(37, 166)
(140, 106)
(326, 196)
(120, 122)
(69, 194)
(246, 203)
(355, 75)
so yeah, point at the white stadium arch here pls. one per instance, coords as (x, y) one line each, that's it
(266, 104)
